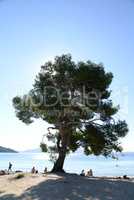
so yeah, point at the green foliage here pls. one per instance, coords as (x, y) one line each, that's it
(74, 97)
(43, 147)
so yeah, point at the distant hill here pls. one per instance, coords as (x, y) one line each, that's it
(38, 150)
(7, 150)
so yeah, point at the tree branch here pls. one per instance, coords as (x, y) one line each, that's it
(51, 128)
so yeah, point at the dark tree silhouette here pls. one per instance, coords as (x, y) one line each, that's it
(75, 99)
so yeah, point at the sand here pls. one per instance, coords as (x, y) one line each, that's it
(64, 187)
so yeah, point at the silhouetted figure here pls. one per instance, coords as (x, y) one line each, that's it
(45, 170)
(82, 173)
(33, 171)
(2, 172)
(125, 177)
(89, 173)
(10, 167)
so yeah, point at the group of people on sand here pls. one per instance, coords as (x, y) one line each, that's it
(89, 173)
(35, 171)
(5, 172)
(9, 170)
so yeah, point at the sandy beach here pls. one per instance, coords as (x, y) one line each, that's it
(64, 187)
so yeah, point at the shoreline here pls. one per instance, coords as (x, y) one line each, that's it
(5, 172)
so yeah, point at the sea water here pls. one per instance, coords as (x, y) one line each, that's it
(73, 164)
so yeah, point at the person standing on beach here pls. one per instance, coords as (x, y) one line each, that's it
(45, 170)
(10, 167)
(82, 173)
(33, 171)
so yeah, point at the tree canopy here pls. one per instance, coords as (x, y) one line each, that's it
(75, 99)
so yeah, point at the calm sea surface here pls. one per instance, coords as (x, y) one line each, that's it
(74, 164)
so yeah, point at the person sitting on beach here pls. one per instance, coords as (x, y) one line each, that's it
(2, 172)
(82, 173)
(125, 177)
(45, 170)
(89, 173)
(10, 167)
(33, 171)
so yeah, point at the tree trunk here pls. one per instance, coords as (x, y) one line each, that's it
(58, 166)
(64, 138)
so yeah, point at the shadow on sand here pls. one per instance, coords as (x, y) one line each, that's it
(73, 187)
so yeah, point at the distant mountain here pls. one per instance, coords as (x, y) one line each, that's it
(37, 150)
(7, 150)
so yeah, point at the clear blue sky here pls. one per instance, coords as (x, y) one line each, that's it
(34, 31)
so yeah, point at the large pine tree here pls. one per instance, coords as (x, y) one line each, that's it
(75, 99)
